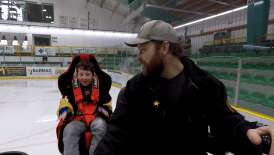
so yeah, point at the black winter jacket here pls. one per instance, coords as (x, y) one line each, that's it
(138, 128)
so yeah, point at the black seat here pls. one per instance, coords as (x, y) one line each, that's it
(13, 153)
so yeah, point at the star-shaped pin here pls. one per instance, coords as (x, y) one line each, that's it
(156, 104)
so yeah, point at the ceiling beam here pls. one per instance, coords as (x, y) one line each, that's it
(222, 3)
(154, 1)
(183, 2)
(116, 7)
(133, 14)
(180, 3)
(220, 9)
(169, 3)
(175, 3)
(192, 4)
(189, 19)
(175, 9)
(213, 8)
(102, 3)
(201, 8)
(196, 17)
(224, 8)
(206, 7)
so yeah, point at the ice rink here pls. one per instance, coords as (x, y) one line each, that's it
(28, 115)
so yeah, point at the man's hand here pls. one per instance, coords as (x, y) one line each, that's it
(254, 135)
(103, 111)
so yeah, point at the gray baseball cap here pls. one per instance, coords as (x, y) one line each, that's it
(154, 30)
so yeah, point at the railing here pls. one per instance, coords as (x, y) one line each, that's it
(109, 58)
(249, 81)
(227, 41)
(236, 40)
(31, 50)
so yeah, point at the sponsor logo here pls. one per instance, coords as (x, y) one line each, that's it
(40, 70)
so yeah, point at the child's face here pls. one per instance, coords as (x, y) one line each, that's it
(84, 76)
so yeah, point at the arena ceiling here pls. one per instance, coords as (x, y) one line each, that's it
(173, 11)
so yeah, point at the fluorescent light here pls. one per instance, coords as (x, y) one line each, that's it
(15, 43)
(4, 42)
(124, 35)
(25, 43)
(210, 17)
(44, 10)
(62, 31)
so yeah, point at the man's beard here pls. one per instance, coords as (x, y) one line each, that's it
(154, 68)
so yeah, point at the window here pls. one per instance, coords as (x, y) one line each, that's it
(11, 10)
(20, 10)
(42, 13)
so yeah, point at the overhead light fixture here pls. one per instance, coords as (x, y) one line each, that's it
(48, 17)
(15, 41)
(62, 31)
(4, 41)
(44, 10)
(25, 43)
(210, 17)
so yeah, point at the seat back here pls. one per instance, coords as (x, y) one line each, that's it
(13, 153)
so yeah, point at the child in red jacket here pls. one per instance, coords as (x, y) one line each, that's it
(86, 105)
